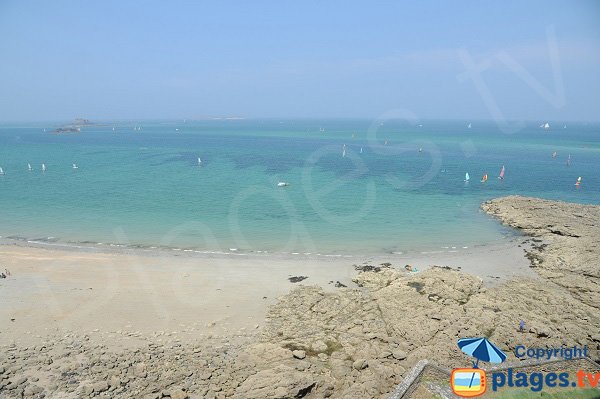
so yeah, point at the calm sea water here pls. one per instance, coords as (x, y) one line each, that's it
(144, 187)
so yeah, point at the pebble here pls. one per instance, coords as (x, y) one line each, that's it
(360, 364)
(299, 354)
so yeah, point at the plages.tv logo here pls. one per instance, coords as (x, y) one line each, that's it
(470, 382)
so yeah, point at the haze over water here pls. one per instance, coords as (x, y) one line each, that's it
(146, 188)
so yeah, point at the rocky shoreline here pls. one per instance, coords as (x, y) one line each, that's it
(568, 254)
(353, 342)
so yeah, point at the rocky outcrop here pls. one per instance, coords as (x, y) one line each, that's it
(569, 251)
(361, 342)
(279, 382)
(75, 366)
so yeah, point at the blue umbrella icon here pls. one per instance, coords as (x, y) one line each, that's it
(481, 349)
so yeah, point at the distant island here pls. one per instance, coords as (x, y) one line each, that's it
(82, 121)
(74, 127)
(67, 129)
(219, 118)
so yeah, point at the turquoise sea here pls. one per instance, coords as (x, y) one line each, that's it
(145, 188)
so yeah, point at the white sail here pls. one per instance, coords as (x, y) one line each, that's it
(469, 126)
(1, 171)
(467, 177)
(29, 166)
(546, 125)
(199, 161)
(361, 150)
(75, 166)
(43, 167)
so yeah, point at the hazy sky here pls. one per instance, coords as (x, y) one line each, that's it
(537, 60)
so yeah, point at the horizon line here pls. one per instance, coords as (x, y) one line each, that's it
(234, 118)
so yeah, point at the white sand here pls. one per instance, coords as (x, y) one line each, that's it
(57, 290)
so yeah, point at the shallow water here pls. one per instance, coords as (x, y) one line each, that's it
(145, 187)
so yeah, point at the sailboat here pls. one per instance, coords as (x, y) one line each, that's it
(484, 178)
(1, 172)
(569, 160)
(469, 126)
(578, 183)
(283, 184)
(29, 167)
(546, 125)
(75, 166)
(43, 167)
(554, 154)
(199, 162)
(361, 150)
(467, 177)
(344, 151)
(501, 177)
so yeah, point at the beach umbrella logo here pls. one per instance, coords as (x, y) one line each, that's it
(481, 349)
(470, 382)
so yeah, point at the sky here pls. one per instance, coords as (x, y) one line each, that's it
(127, 60)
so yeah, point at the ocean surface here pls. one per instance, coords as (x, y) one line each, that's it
(141, 185)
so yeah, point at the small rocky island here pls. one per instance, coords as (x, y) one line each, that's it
(354, 342)
(74, 127)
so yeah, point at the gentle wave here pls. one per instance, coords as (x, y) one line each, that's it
(54, 242)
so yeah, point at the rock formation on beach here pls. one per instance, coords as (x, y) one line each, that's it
(569, 253)
(354, 342)
(360, 342)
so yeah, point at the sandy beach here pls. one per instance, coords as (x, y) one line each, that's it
(55, 290)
